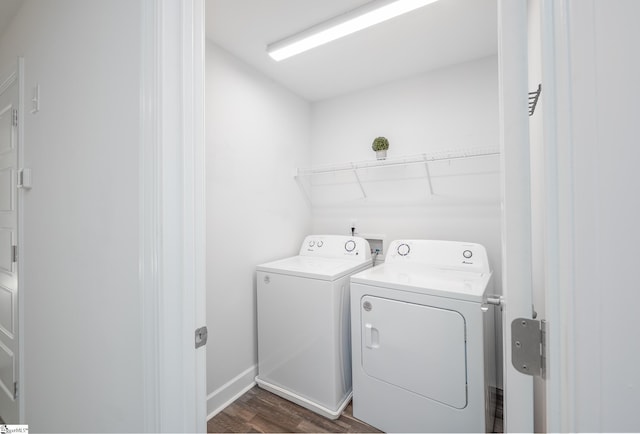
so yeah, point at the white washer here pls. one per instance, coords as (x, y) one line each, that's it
(304, 345)
(423, 342)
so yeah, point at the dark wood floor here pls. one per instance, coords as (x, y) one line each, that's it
(498, 425)
(261, 411)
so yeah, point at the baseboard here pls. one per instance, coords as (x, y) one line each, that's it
(332, 414)
(220, 398)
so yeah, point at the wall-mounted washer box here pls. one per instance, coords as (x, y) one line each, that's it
(377, 243)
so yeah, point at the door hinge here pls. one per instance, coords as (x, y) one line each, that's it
(201, 336)
(528, 346)
(14, 253)
(15, 118)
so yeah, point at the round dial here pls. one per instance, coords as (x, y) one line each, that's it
(404, 249)
(350, 246)
(312, 243)
(320, 243)
(467, 254)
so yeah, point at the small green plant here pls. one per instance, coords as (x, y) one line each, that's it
(380, 144)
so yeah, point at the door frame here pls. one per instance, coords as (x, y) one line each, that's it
(172, 220)
(16, 74)
(557, 105)
(516, 201)
(19, 243)
(557, 212)
(172, 214)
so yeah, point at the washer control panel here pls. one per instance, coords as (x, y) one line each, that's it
(336, 246)
(454, 255)
(314, 243)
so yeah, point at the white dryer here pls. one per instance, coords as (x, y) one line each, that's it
(423, 342)
(304, 345)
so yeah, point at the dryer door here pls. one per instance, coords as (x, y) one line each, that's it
(418, 348)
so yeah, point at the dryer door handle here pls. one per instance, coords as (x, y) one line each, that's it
(371, 336)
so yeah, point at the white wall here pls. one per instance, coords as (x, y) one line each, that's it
(447, 109)
(605, 90)
(453, 107)
(82, 313)
(257, 134)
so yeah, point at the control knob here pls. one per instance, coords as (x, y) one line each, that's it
(403, 249)
(350, 246)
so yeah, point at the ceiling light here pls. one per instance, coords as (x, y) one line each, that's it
(368, 15)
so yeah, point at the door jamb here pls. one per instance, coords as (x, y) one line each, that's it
(171, 214)
(559, 234)
(20, 243)
(516, 193)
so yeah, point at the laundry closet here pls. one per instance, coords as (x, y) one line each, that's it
(288, 148)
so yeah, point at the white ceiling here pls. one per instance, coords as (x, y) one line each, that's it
(444, 33)
(8, 9)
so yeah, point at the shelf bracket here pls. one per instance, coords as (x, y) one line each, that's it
(307, 196)
(426, 167)
(355, 173)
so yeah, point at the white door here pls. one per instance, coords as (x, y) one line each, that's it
(516, 196)
(8, 240)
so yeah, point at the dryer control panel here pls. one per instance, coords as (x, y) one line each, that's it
(336, 246)
(453, 255)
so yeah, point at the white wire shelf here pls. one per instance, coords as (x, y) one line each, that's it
(405, 160)
(357, 168)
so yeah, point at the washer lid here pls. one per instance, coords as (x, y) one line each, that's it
(412, 277)
(314, 267)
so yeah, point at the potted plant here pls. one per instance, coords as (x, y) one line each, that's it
(380, 145)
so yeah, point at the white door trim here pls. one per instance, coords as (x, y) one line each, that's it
(20, 243)
(171, 187)
(559, 233)
(516, 196)
(16, 73)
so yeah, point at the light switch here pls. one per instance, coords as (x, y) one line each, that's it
(35, 101)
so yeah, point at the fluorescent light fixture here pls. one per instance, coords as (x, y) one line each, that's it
(365, 16)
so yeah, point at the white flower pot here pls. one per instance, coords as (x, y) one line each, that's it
(382, 154)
